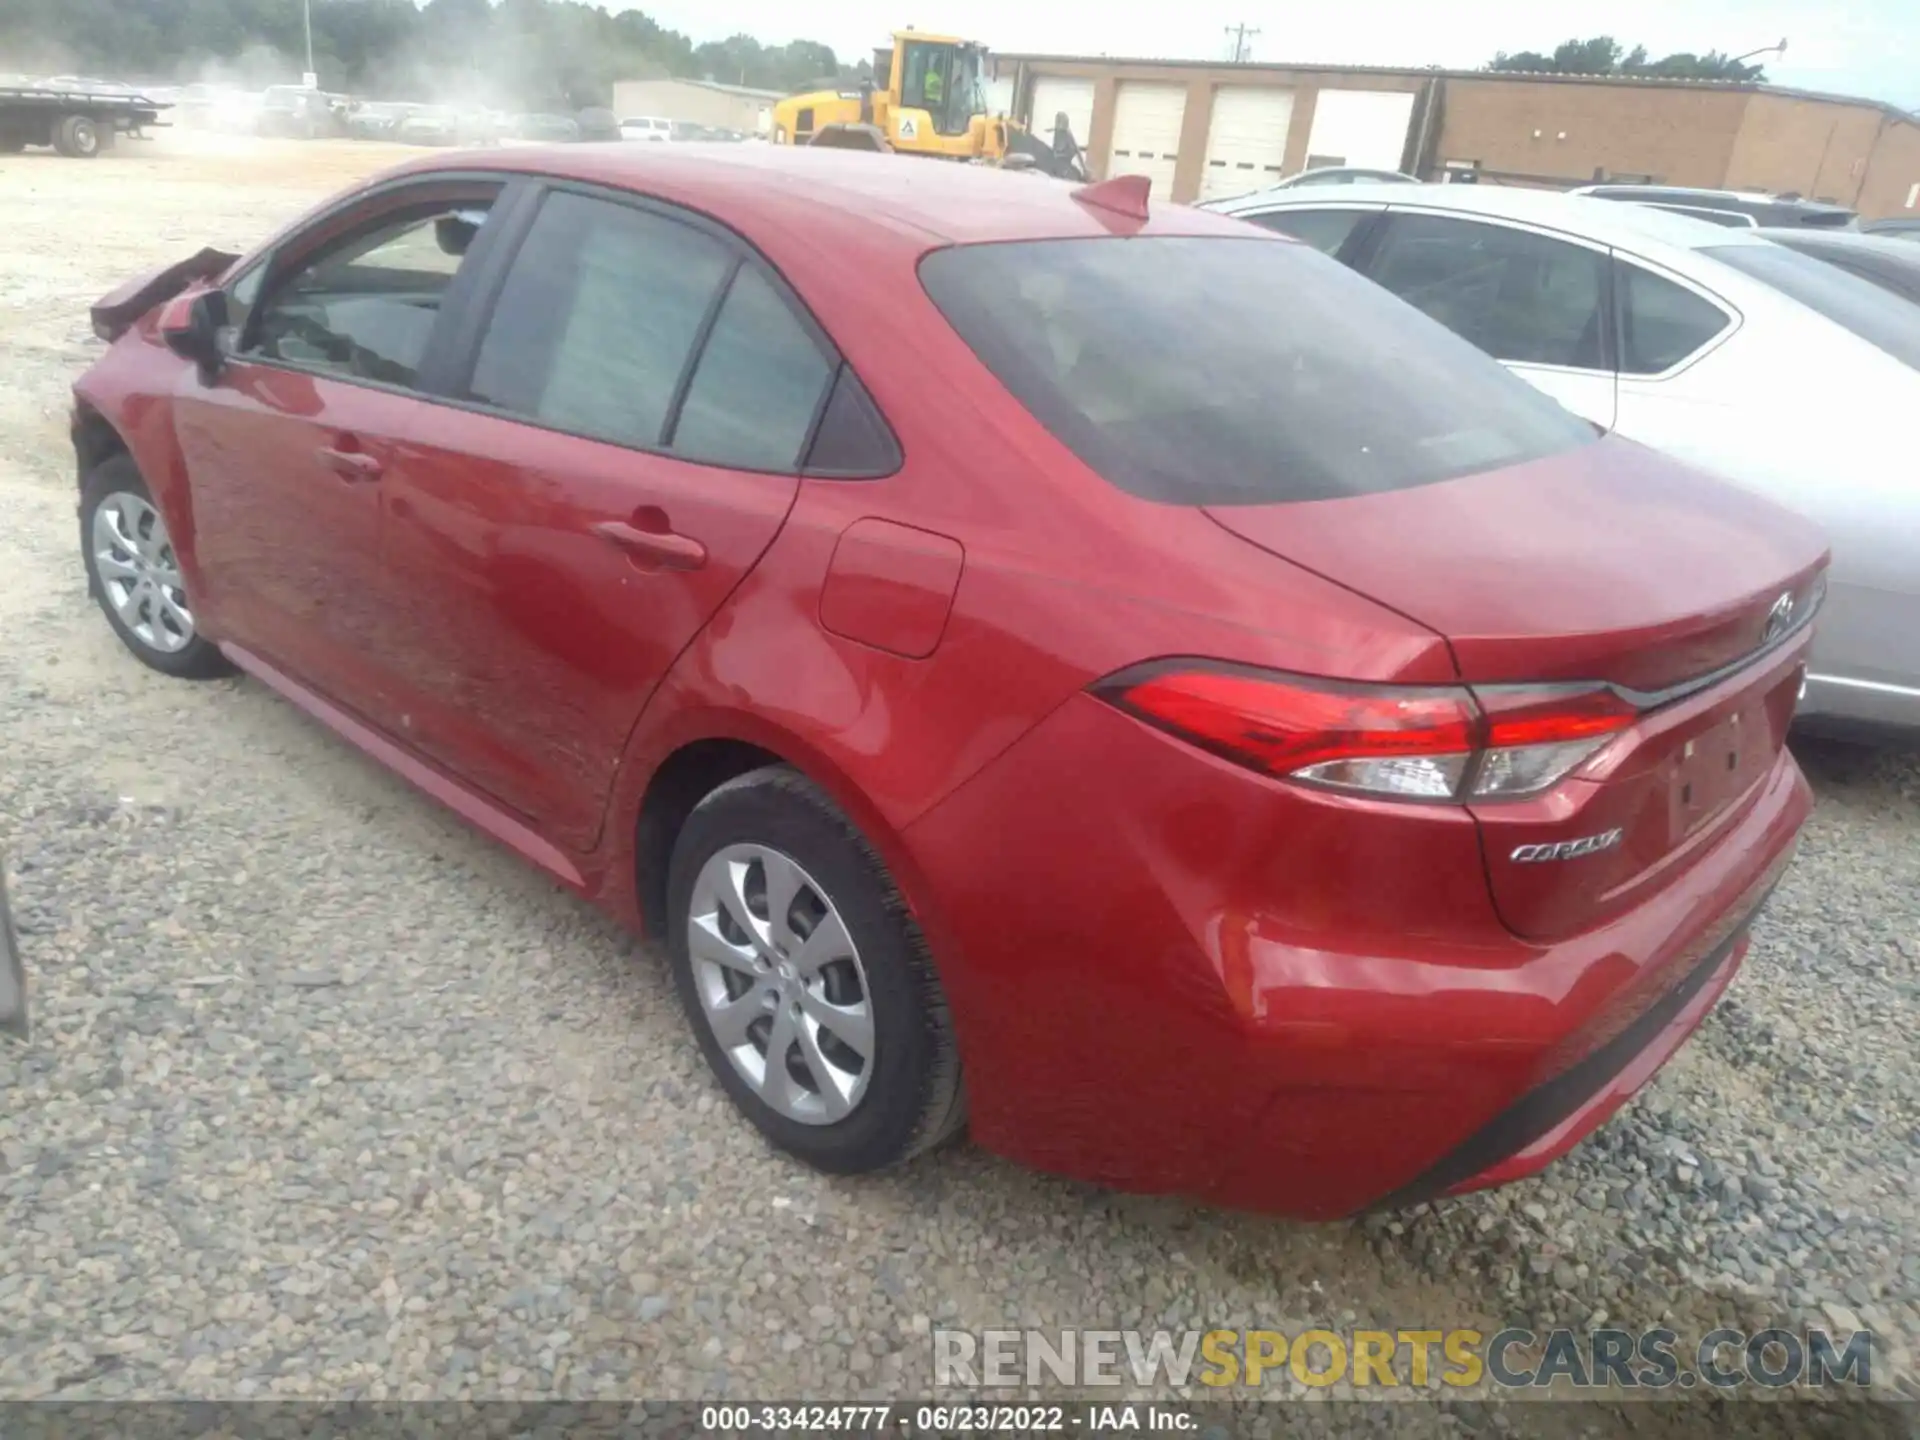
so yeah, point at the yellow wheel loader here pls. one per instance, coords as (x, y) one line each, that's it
(925, 99)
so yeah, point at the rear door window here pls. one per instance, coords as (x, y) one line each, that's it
(1215, 371)
(628, 325)
(1325, 230)
(1875, 315)
(598, 319)
(1521, 297)
(1661, 323)
(758, 386)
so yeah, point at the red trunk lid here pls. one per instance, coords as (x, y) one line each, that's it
(1611, 564)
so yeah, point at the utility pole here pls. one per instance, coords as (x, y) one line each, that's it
(306, 14)
(1241, 48)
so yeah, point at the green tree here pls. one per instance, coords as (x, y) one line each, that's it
(550, 54)
(1603, 55)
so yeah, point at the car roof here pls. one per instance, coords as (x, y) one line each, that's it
(1610, 222)
(1862, 240)
(858, 199)
(1708, 193)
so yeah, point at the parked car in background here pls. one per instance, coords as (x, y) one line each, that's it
(236, 112)
(1735, 209)
(1704, 342)
(201, 106)
(1901, 229)
(1345, 175)
(597, 124)
(85, 84)
(292, 111)
(1880, 259)
(646, 127)
(545, 127)
(429, 125)
(1058, 701)
(447, 125)
(1325, 175)
(378, 119)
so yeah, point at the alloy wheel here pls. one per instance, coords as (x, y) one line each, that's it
(781, 984)
(139, 574)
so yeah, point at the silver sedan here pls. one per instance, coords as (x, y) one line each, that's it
(1781, 372)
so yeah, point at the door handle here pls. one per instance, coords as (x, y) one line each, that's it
(352, 465)
(652, 545)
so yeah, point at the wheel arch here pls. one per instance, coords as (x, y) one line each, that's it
(678, 784)
(95, 438)
(700, 749)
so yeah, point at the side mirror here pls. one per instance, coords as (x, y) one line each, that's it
(195, 334)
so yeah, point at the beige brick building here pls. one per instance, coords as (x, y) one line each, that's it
(703, 102)
(1201, 129)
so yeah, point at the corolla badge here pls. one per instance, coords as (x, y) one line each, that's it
(1568, 849)
(1779, 619)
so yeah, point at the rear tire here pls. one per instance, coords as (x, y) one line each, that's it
(788, 979)
(78, 137)
(133, 573)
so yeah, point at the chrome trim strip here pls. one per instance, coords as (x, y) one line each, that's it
(1878, 686)
(1654, 699)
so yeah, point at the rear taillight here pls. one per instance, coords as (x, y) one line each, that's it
(1415, 743)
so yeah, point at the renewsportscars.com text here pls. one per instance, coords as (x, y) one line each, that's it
(1393, 1359)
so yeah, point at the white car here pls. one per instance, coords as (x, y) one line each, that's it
(1340, 175)
(646, 127)
(1780, 372)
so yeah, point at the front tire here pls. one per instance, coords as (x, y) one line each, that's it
(134, 574)
(806, 981)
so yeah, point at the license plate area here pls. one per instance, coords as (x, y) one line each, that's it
(1714, 768)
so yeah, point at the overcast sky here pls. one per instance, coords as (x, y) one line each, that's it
(1868, 47)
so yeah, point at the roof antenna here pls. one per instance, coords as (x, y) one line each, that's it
(1122, 195)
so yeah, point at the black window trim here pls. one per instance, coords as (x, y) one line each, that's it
(498, 262)
(454, 348)
(1734, 318)
(1609, 367)
(404, 192)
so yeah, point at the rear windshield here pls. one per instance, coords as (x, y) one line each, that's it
(1215, 371)
(1875, 315)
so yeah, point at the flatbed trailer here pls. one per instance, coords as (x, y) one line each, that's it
(78, 123)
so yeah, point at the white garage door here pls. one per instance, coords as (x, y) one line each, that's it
(1053, 94)
(1246, 141)
(1146, 132)
(1360, 127)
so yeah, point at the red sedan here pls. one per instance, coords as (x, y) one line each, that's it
(1118, 681)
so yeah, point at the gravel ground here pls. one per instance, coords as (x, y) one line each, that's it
(329, 1097)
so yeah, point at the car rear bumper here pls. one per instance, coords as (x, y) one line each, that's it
(1169, 975)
